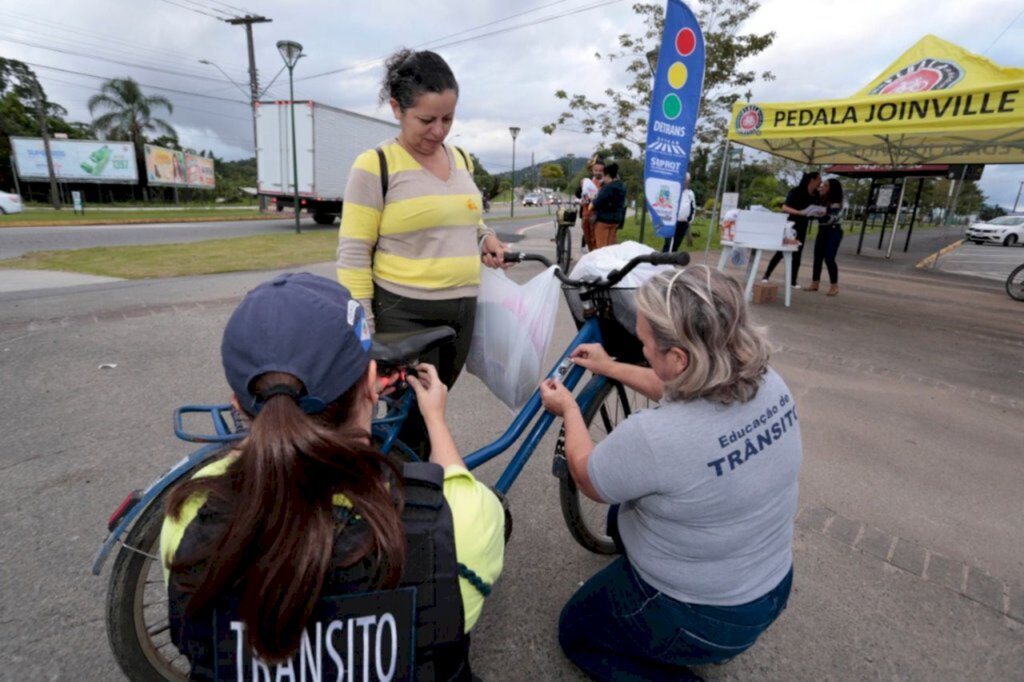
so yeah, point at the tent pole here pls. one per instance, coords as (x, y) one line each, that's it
(896, 220)
(722, 174)
(951, 209)
(913, 216)
(867, 211)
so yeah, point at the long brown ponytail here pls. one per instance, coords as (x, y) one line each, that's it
(276, 499)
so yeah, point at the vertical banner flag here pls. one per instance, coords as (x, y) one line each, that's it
(675, 98)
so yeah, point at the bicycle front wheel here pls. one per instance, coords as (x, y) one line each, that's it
(588, 520)
(563, 248)
(1015, 283)
(138, 622)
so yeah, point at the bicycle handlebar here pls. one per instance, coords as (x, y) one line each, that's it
(614, 277)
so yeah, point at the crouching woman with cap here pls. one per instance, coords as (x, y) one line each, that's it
(305, 552)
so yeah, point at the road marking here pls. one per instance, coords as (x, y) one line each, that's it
(524, 230)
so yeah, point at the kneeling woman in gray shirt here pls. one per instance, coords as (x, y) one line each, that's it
(703, 488)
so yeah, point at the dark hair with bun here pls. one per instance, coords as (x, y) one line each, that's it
(408, 74)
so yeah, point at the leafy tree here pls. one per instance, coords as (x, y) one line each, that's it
(553, 175)
(624, 115)
(129, 116)
(487, 183)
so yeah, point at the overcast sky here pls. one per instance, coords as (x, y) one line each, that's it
(509, 58)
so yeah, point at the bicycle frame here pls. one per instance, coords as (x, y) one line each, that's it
(386, 428)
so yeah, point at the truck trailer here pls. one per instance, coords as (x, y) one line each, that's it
(328, 141)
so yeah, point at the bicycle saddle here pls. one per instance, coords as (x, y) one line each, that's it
(400, 347)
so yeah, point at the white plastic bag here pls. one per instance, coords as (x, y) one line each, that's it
(599, 262)
(512, 334)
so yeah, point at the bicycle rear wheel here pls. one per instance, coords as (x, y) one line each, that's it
(588, 520)
(1015, 283)
(138, 623)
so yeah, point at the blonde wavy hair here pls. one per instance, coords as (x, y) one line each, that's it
(702, 311)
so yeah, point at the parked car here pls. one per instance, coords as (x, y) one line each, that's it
(10, 203)
(533, 200)
(1006, 230)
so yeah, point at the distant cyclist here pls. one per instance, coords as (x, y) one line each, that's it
(305, 546)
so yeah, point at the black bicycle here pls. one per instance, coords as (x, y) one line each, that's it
(564, 220)
(1015, 283)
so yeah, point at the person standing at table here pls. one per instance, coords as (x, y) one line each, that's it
(687, 208)
(798, 202)
(830, 236)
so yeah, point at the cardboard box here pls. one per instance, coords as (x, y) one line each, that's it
(765, 293)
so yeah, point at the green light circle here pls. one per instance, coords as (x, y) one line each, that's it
(671, 107)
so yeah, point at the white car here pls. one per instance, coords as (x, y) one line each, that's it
(533, 200)
(1006, 230)
(10, 203)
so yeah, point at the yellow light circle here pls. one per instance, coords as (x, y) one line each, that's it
(677, 75)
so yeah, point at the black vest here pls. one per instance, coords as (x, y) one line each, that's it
(429, 588)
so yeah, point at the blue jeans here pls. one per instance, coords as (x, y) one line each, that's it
(618, 627)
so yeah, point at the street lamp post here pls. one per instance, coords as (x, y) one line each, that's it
(512, 198)
(291, 52)
(1019, 189)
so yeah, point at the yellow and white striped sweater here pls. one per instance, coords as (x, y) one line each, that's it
(424, 242)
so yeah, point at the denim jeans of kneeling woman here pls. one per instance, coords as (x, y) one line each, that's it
(618, 627)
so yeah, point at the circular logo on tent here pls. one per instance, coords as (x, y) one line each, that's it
(927, 74)
(749, 120)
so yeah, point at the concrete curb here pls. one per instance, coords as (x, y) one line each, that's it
(927, 261)
(138, 221)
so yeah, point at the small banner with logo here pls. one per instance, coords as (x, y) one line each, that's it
(675, 99)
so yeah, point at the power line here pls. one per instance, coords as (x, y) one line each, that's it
(492, 23)
(208, 7)
(1003, 32)
(152, 87)
(232, 7)
(509, 29)
(107, 40)
(192, 9)
(113, 61)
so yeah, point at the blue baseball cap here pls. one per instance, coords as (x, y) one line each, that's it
(303, 325)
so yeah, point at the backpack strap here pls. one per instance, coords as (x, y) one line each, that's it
(383, 175)
(465, 159)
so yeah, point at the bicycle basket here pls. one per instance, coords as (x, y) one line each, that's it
(617, 331)
(566, 217)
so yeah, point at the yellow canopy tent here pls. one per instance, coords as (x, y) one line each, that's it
(937, 103)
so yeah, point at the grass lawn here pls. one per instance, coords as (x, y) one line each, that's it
(264, 252)
(101, 217)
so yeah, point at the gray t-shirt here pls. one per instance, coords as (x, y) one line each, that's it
(708, 493)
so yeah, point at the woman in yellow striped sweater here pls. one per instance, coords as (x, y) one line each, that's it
(410, 248)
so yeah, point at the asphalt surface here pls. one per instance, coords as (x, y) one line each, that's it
(909, 549)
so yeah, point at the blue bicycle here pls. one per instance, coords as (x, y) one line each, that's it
(137, 621)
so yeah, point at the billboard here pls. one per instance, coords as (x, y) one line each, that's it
(76, 160)
(171, 168)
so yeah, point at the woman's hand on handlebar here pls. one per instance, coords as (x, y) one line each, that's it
(493, 250)
(431, 393)
(593, 357)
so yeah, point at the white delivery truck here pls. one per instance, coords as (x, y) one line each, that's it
(328, 141)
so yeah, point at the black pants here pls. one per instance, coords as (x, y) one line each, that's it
(394, 313)
(801, 236)
(672, 245)
(826, 246)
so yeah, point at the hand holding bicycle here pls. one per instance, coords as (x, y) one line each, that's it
(431, 392)
(592, 357)
(493, 252)
(556, 398)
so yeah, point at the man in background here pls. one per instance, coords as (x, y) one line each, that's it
(609, 207)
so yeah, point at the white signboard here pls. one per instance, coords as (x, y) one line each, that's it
(76, 160)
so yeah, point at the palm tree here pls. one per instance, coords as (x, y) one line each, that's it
(129, 116)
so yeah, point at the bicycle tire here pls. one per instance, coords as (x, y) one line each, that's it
(586, 519)
(1015, 283)
(138, 625)
(563, 248)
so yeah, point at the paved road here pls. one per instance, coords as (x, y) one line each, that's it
(908, 551)
(17, 241)
(982, 260)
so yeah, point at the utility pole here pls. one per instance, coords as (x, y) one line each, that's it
(1018, 197)
(45, 132)
(254, 85)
